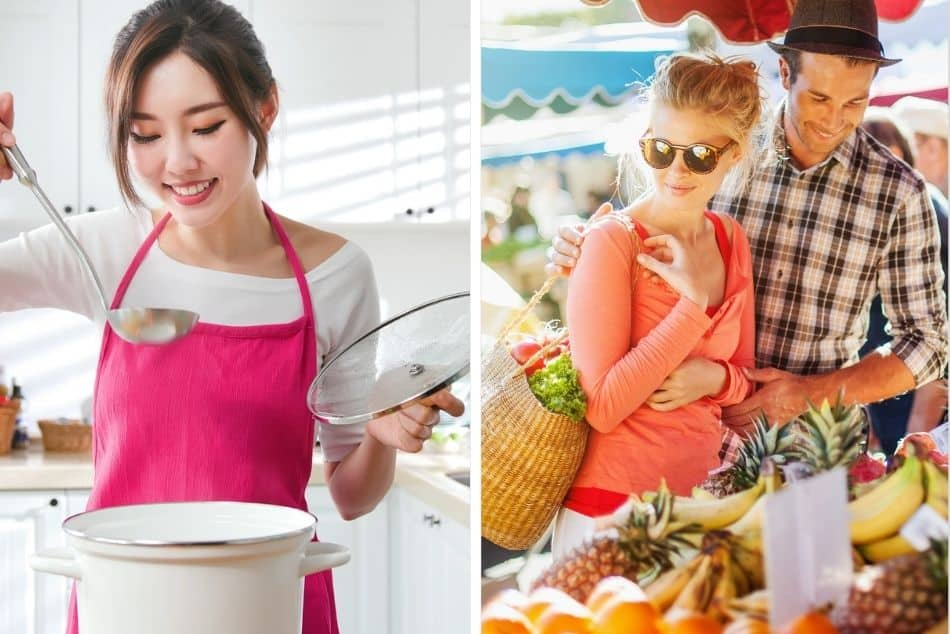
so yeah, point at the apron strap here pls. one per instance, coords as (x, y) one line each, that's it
(294, 262)
(137, 260)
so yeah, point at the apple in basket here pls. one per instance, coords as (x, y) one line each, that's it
(524, 350)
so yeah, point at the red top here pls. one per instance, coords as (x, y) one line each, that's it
(625, 344)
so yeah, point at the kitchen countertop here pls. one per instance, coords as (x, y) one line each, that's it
(422, 474)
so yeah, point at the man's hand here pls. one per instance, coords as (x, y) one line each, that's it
(692, 380)
(566, 245)
(782, 397)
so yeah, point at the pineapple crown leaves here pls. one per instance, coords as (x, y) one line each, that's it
(648, 537)
(828, 436)
(777, 442)
(937, 563)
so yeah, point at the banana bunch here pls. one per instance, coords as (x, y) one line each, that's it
(752, 506)
(754, 605)
(877, 516)
(712, 513)
(726, 567)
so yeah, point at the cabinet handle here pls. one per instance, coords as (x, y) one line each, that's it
(68, 209)
(54, 502)
(427, 518)
(436, 522)
(409, 212)
(91, 208)
(430, 210)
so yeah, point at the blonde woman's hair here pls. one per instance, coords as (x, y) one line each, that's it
(725, 90)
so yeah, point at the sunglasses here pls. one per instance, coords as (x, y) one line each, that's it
(700, 158)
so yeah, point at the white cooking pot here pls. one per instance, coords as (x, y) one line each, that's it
(190, 568)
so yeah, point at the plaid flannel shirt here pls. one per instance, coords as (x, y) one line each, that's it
(827, 239)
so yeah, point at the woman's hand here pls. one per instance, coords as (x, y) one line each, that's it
(692, 380)
(680, 271)
(6, 132)
(408, 428)
(566, 245)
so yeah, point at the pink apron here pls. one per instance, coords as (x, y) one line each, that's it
(220, 414)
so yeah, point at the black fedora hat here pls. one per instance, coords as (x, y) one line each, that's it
(835, 27)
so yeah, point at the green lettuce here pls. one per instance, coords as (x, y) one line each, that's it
(557, 388)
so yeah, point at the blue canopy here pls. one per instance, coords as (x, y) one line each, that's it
(602, 65)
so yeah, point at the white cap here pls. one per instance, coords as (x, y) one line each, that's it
(923, 116)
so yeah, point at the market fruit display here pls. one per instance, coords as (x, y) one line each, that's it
(701, 555)
(643, 546)
(616, 606)
(762, 442)
(905, 594)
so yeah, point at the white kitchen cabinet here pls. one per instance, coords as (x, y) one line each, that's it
(374, 106)
(445, 106)
(39, 46)
(366, 130)
(361, 588)
(31, 602)
(430, 569)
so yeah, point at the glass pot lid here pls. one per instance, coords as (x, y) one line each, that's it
(404, 359)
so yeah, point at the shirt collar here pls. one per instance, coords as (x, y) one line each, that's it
(843, 154)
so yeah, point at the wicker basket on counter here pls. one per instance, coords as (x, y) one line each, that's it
(7, 426)
(71, 435)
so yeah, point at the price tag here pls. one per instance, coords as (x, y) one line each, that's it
(807, 546)
(925, 524)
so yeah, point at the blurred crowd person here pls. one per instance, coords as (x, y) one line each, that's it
(924, 408)
(927, 120)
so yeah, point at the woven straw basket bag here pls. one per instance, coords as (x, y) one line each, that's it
(530, 455)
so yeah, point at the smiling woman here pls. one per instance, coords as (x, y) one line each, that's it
(190, 100)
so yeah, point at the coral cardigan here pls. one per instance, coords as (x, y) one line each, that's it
(625, 344)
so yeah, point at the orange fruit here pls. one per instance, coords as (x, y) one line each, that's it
(512, 597)
(811, 623)
(542, 599)
(610, 587)
(748, 625)
(565, 617)
(621, 615)
(693, 624)
(499, 618)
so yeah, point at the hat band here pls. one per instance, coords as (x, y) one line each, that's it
(833, 35)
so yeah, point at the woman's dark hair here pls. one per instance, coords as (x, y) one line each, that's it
(879, 123)
(212, 34)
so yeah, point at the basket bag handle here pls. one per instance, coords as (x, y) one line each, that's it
(520, 316)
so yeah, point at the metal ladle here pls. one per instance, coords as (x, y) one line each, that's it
(135, 325)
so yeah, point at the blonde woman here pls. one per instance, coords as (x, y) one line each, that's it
(662, 327)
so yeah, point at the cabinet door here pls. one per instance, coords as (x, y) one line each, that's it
(445, 107)
(431, 569)
(454, 565)
(345, 145)
(412, 581)
(361, 586)
(31, 603)
(39, 45)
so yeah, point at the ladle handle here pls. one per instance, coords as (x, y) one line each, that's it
(27, 177)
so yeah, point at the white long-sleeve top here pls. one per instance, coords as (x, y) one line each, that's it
(39, 270)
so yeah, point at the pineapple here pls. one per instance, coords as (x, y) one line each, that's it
(828, 437)
(762, 442)
(904, 594)
(643, 546)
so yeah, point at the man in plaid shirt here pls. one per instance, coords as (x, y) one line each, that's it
(832, 218)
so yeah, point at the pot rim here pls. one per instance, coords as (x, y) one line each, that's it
(81, 534)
